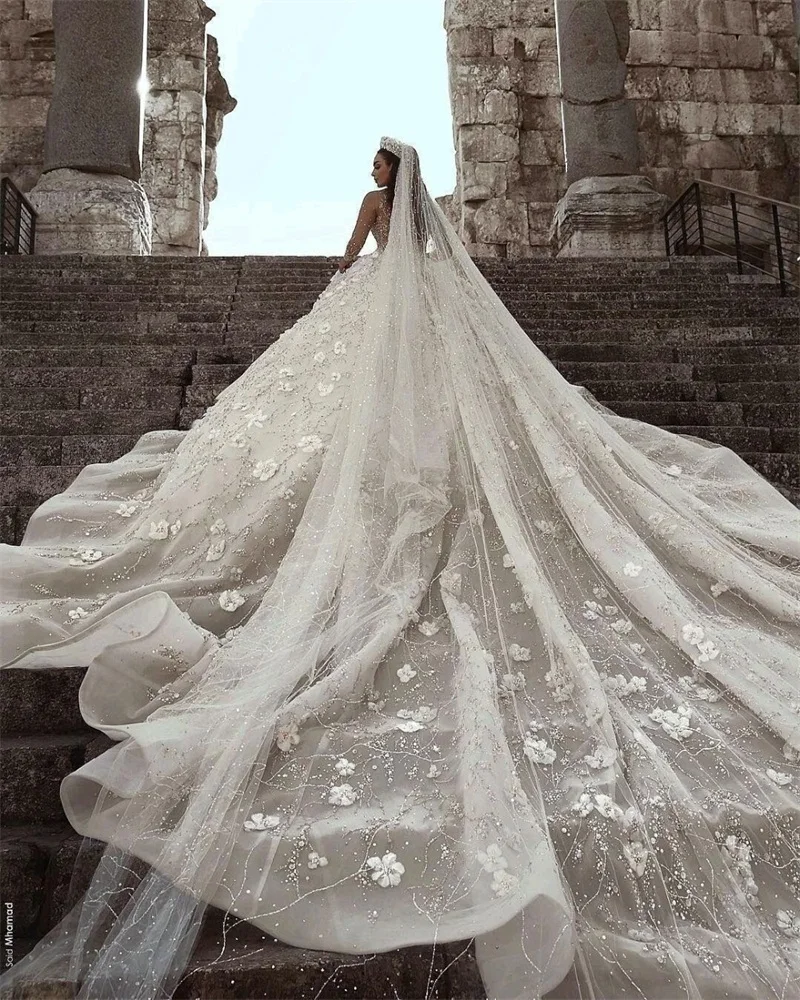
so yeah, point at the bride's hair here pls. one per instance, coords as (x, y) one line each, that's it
(420, 226)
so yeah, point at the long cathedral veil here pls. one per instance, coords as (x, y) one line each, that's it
(566, 563)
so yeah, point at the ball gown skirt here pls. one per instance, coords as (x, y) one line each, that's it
(538, 685)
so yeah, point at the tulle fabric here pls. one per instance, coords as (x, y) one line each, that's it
(410, 641)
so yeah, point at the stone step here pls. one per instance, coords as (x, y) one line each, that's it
(29, 875)
(102, 397)
(31, 773)
(57, 378)
(24, 692)
(148, 356)
(82, 422)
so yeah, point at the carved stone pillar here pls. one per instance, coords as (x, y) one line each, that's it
(609, 209)
(89, 198)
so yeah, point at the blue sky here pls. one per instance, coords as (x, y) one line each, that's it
(318, 83)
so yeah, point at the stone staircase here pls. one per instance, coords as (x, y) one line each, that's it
(95, 351)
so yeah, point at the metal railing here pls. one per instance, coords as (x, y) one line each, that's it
(758, 233)
(17, 220)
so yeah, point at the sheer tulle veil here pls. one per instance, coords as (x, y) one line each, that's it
(467, 481)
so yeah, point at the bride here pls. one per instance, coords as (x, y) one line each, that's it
(407, 641)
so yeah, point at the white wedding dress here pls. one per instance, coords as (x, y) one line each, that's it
(407, 640)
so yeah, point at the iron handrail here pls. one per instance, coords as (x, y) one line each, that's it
(693, 226)
(17, 220)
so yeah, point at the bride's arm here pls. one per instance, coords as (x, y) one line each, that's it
(364, 223)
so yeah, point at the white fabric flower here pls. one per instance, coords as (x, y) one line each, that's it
(324, 389)
(788, 923)
(700, 691)
(339, 347)
(425, 713)
(406, 673)
(319, 357)
(636, 855)
(77, 613)
(84, 556)
(433, 771)
(607, 807)
(286, 736)
(520, 654)
(260, 821)
(286, 372)
(345, 767)
(513, 682)
(386, 871)
(622, 687)
(409, 727)
(315, 860)
(538, 751)
(428, 627)
(621, 626)
(285, 387)
(674, 724)
(126, 509)
(516, 606)
(602, 757)
(158, 529)
(513, 445)
(230, 600)
(310, 443)
(218, 527)
(503, 882)
(215, 550)
(508, 561)
(631, 569)
(264, 470)
(324, 328)
(692, 634)
(718, 588)
(342, 795)
(175, 527)
(545, 527)
(238, 441)
(592, 610)
(492, 859)
(256, 419)
(779, 777)
(673, 470)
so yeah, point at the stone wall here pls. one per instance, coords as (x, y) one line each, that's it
(713, 84)
(27, 73)
(503, 72)
(184, 111)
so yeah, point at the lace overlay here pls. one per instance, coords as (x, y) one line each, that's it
(408, 640)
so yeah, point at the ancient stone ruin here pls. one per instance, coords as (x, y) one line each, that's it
(572, 117)
(117, 200)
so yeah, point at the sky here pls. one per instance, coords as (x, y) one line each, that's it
(318, 83)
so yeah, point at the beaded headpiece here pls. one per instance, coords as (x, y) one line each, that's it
(393, 145)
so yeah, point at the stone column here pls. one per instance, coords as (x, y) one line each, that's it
(89, 198)
(609, 209)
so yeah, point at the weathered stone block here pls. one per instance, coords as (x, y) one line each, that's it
(538, 43)
(177, 72)
(745, 51)
(663, 48)
(501, 221)
(489, 143)
(790, 119)
(39, 9)
(774, 17)
(541, 79)
(704, 152)
(17, 112)
(90, 213)
(541, 113)
(176, 36)
(471, 107)
(481, 181)
(470, 41)
(542, 149)
(680, 15)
